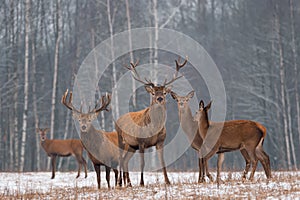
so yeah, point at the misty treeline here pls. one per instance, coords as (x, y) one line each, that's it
(43, 43)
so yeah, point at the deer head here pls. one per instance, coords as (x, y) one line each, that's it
(42, 133)
(157, 92)
(182, 101)
(85, 119)
(202, 112)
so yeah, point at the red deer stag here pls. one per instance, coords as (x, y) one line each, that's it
(190, 127)
(63, 148)
(234, 135)
(145, 128)
(102, 147)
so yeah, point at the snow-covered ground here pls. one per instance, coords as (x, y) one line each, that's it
(38, 185)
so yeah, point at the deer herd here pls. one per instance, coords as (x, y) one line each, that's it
(146, 128)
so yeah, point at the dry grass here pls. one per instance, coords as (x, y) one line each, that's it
(282, 185)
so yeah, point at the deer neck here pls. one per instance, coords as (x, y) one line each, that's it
(189, 126)
(157, 114)
(45, 143)
(203, 124)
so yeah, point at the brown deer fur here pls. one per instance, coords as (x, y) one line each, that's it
(145, 128)
(234, 135)
(130, 133)
(190, 127)
(63, 148)
(102, 147)
(113, 137)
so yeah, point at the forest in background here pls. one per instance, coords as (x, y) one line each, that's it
(43, 43)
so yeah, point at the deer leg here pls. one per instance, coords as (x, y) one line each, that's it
(98, 172)
(201, 169)
(220, 162)
(264, 159)
(80, 162)
(205, 164)
(116, 176)
(248, 162)
(142, 163)
(121, 161)
(53, 161)
(85, 168)
(160, 153)
(267, 158)
(126, 158)
(107, 170)
(252, 155)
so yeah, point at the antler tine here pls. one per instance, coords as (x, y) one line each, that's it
(136, 75)
(178, 67)
(68, 104)
(105, 101)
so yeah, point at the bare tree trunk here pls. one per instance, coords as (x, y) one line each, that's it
(15, 100)
(130, 49)
(26, 66)
(54, 85)
(111, 32)
(282, 89)
(289, 115)
(155, 37)
(294, 52)
(35, 112)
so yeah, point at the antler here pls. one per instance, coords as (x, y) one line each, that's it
(178, 67)
(69, 103)
(136, 76)
(105, 101)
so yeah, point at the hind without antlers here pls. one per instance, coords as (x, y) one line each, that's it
(63, 148)
(243, 135)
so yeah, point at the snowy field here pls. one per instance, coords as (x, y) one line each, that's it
(38, 185)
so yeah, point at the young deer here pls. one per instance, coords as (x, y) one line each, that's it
(63, 148)
(190, 127)
(145, 128)
(102, 147)
(234, 135)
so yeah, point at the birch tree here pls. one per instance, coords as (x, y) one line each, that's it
(294, 61)
(26, 66)
(130, 50)
(282, 87)
(110, 16)
(54, 84)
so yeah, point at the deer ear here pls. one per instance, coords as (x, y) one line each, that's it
(208, 105)
(173, 95)
(149, 89)
(201, 104)
(191, 94)
(46, 129)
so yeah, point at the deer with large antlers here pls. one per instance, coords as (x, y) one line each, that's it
(190, 128)
(233, 135)
(145, 128)
(63, 148)
(102, 147)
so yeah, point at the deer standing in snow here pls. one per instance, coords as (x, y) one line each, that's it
(234, 135)
(102, 146)
(63, 148)
(145, 128)
(190, 128)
